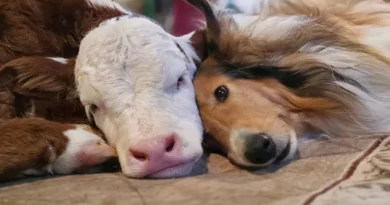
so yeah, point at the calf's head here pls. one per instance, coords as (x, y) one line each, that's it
(135, 81)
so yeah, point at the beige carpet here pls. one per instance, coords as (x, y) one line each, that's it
(343, 171)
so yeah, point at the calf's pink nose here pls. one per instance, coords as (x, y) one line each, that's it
(156, 154)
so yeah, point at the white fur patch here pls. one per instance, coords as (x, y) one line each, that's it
(60, 60)
(108, 4)
(377, 37)
(67, 162)
(271, 28)
(293, 143)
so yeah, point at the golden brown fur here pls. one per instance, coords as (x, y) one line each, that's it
(297, 67)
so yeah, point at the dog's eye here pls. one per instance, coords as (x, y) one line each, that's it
(93, 108)
(221, 93)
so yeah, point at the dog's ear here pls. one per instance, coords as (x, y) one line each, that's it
(211, 15)
(199, 43)
(218, 23)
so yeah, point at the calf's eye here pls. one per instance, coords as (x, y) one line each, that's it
(179, 82)
(221, 93)
(93, 108)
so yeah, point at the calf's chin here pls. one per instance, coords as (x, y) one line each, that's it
(135, 81)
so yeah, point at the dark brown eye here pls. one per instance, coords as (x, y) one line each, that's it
(93, 108)
(179, 82)
(221, 93)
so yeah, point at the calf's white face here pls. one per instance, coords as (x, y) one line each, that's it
(135, 81)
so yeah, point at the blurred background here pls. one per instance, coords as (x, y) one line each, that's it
(179, 18)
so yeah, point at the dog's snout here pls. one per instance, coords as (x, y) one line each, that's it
(259, 148)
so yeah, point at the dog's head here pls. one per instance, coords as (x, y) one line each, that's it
(266, 79)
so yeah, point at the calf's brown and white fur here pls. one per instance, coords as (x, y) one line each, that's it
(132, 79)
(44, 86)
(39, 41)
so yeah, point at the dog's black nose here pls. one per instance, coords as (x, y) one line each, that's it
(259, 148)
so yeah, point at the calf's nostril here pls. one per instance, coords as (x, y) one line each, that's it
(140, 156)
(170, 143)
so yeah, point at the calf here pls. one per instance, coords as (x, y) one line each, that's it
(132, 78)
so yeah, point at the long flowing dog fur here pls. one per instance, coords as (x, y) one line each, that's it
(356, 73)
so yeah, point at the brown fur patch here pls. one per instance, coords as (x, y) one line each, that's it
(25, 144)
(46, 28)
(41, 87)
(43, 28)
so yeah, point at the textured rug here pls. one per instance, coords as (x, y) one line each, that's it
(330, 171)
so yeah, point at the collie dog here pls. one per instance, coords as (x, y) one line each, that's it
(292, 69)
